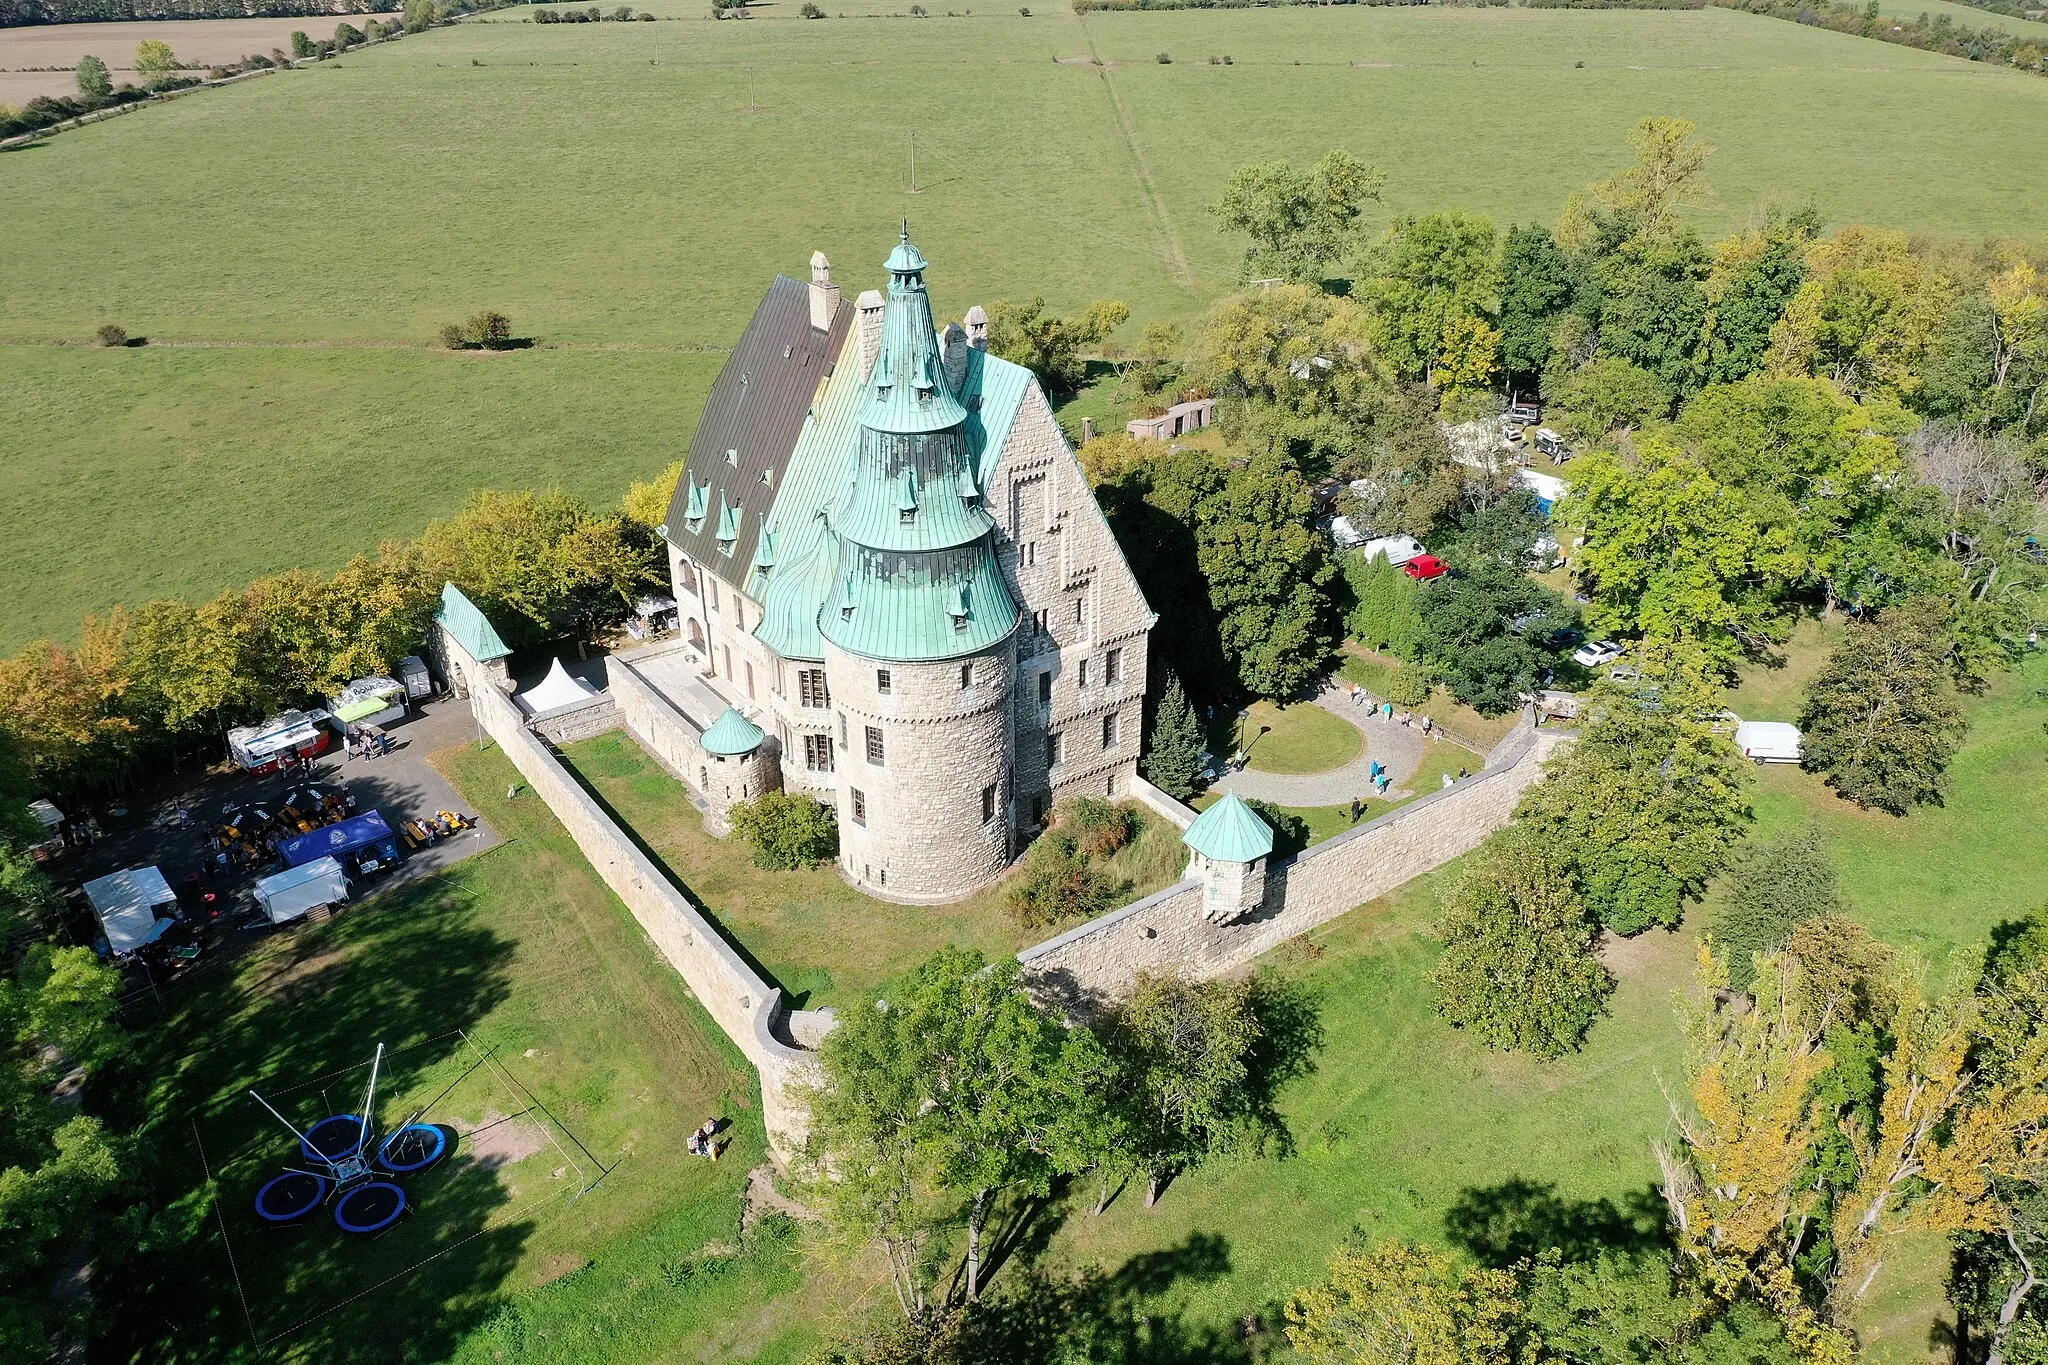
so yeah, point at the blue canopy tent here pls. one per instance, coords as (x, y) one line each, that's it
(366, 836)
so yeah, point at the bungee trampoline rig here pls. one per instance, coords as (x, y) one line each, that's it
(351, 1166)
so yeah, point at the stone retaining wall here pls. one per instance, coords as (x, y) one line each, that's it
(1089, 966)
(577, 721)
(666, 733)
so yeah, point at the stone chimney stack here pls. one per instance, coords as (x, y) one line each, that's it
(953, 347)
(868, 316)
(977, 328)
(824, 293)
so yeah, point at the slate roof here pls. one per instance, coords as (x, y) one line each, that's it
(470, 627)
(755, 412)
(1230, 832)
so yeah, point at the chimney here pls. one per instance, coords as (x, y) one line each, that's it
(953, 346)
(824, 293)
(977, 328)
(868, 308)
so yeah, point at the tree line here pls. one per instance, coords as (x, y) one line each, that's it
(17, 13)
(171, 676)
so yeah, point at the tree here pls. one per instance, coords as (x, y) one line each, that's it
(1773, 887)
(1608, 392)
(1881, 719)
(1269, 577)
(1048, 346)
(1184, 1053)
(93, 81)
(1432, 284)
(1060, 882)
(154, 61)
(421, 15)
(1396, 1304)
(1648, 802)
(1535, 287)
(1115, 454)
(541, 565)
(1866, 315)
(1174, 761)
(1484, 632)
(647, 501)
(1664, 178)
(1155, 366)
(1299, 222)
(1385, 612)
(1518, 967)
(302, 46)
(489, 330)
(1753, 277)
(347, 35)
(786, 830)
(1621, 1309)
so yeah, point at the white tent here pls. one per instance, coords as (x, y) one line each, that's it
(291, 893)
(555, 691)
(126, 902)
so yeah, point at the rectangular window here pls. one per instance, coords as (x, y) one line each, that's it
(875, 745)
(1109, 731)
(1038, 619)
(1081, 676)
(882, 681)
(988, 804)
(966, 676)
(1079, 602)
(712, 583)
(1113, 667)
(750, 682)
(860, 807)
(1030, 553)
(1045, 689)
(727, 651)
(1052, 749)
(811, 689)
(818, 753)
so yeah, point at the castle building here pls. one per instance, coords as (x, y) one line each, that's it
(887, 556)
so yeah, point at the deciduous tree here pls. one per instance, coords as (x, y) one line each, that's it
(1299, 222)
(1881, 719)
(1051, 347)
(154, 60)
(1397, 1304)
(93, 81)
(1432, 284)
(1773, 887)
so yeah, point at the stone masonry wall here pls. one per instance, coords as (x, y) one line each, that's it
(1090, 965)
(751, 1012)
(580, 720)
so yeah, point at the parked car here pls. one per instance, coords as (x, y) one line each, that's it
(1768, 741)
(1552, 444)
(1525, 414)
(1596, 654)
(1423, 568)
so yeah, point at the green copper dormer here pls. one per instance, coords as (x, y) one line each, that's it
(907, 502)
(764, 554)
(728, 523)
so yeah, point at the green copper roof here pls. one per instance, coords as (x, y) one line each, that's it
(907, 391)
(732, 734)
(789, 608)
(1230, 832)
(470, 627)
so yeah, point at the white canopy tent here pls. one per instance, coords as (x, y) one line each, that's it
(291, 893)
(555, 691)
(126, 903)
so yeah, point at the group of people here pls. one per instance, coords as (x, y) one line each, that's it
(368, 743)
(704, 1142)
(1359, 697)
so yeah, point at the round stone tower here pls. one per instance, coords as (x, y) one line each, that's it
(739, 763)
(918, 630)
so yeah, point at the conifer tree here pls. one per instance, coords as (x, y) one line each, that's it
(1175, 762)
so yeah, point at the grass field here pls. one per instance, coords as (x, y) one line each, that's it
(1297, 738)
(812, 932)
(636, 185)
(524, 949)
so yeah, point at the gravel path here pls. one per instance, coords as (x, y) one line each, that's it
(1397, 747)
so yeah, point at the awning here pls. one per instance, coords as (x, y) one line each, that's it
(356, 710)
(48, 814)
(126, 902)
(345, 836)
(289, 894)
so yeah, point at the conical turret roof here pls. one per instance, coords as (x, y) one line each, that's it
(1230, 832)
(732, 734)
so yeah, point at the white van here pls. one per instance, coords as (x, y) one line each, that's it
(1767, 741)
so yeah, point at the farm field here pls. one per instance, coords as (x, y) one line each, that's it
(193, 40)
(692, 160)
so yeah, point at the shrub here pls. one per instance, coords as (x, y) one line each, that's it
(1026, 12)
(1290, 832)
(110, 335)
(786, 831)
(302, 46)
(489, 330)
(1165, 60)
(1060, 883)
(453, 338)
(810, 11)
(93, 81)
(918, 11)
(1099, 827)
(1410, 685)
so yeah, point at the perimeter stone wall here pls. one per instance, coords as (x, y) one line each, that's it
(1087, 967)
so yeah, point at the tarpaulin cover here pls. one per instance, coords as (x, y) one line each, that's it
(289, 894)
(126, 902)
(345, 836)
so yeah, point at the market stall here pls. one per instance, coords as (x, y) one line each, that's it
(287, 895)
(363, 844)
(52, 820)
(127, 903)
(367, 703)
(267, 747)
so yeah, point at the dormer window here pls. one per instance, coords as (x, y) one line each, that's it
(959, 610)
(732, 457)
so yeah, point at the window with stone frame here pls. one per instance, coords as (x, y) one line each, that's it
(818, 753)
(875, 745)
(1081, 673)
(1113, 667)
(860, 805)
(811, 689)
(1109, 731)
(988, 803)
(1052, 749)
(966, 676)
(882, 681)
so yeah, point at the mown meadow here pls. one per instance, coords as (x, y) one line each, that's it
(624, 192)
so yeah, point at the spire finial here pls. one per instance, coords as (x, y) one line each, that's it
(906, 230)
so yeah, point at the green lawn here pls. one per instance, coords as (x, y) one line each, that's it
(1295, 738)
(525, 950)
(636, 185)
(1438, 761)
(1371, 670)
(812, 932)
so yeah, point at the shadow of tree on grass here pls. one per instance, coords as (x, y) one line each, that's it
(1518, 1218)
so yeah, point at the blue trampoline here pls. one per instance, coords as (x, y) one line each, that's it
(413, 1148)
(370, 1208)
(333, 1139)
(290, 1197)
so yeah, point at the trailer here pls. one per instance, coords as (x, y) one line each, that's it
(1767, 741)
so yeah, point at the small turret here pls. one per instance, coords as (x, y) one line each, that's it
(739, 764)
(1230, 844)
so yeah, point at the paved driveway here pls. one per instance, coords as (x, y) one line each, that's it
(1397, 747)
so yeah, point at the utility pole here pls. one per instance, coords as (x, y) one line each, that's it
(913, 161)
